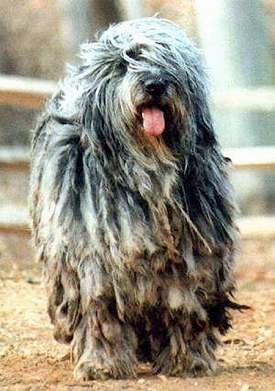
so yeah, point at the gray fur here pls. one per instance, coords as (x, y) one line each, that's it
(136, 233)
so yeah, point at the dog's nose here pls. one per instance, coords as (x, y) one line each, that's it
(155, 86)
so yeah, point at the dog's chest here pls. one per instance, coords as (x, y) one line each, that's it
(141, 222)
(148, 242)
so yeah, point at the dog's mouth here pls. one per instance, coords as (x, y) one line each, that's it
(153, 120)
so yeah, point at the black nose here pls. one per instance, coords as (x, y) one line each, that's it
(155, 87)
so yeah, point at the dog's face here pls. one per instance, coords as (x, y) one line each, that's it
(149, 94)
(142, 80)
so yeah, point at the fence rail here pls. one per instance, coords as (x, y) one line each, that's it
(25, 92)
(246, 99)
(14, 158)
(14, 219)
(259, 158)
(32, 93)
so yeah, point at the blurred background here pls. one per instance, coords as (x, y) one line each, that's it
(237, 38)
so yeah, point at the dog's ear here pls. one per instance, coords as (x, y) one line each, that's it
(205, 135)
(197, 95)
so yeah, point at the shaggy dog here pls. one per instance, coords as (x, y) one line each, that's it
(132, 209)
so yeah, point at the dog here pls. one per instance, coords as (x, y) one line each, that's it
(132, 208)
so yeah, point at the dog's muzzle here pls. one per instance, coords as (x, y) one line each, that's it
(152, 114)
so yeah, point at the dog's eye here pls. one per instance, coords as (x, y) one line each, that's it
(122, 66)
(133, 53)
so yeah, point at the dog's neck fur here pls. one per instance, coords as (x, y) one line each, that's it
(146, 186)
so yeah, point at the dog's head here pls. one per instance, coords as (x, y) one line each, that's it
(142, 80)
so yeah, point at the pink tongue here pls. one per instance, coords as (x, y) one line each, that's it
(153, 121)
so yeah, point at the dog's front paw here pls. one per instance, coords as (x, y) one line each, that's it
(91, 370)
(184, 363)
(97, 365)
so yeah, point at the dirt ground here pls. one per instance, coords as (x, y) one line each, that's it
(31, 360)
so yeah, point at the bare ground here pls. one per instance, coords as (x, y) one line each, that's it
(31, 360)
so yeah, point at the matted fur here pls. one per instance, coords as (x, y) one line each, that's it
(135, 232)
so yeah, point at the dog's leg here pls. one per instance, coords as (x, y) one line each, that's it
(191, 340)
(103, 345)
(63, 299)
(187, 353)
(195, 313)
